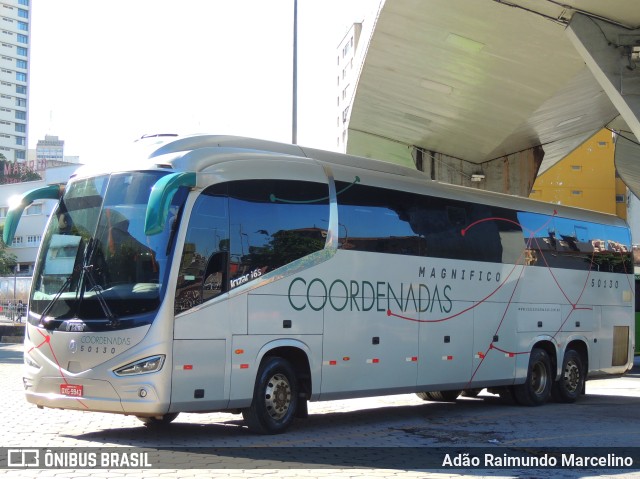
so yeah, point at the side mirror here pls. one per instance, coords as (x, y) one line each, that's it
(160, 200)
(50, 192)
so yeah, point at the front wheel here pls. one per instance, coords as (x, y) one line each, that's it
(275, 398)
(158, 421)
(537, 388)
(569, 385)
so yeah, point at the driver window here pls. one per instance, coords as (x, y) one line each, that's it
(205, 255)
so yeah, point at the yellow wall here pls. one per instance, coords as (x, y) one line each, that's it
(586, 178)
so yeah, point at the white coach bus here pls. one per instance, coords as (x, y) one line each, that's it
(229, 274)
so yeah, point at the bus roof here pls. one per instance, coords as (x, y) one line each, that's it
(195, 153)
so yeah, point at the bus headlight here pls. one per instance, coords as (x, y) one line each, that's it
(142, 366)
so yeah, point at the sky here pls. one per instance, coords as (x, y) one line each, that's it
(104, 73)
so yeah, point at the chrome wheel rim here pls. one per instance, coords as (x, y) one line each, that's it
(539, 378)
(571, 376)
(277, 396)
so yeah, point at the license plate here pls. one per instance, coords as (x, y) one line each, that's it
(74, 390)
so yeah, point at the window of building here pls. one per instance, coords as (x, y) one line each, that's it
(34, 239)
(20, 76)
(20, 101)
(17, 241)
(21, 89)
(22, 13)
(22, 51)
(345, 114)
(20, 140)
(576, 167)
(21, 64)
(620, 199)
(21, 155)
(23, 38)
(576, 192)
(33, 209)
(23, 26)
(21, 127)
(23, 2)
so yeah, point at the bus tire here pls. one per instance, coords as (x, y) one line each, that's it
(275, 398)
(471, 393)
(536, 390)
(439, 396)
(570, 384)
(158, 421)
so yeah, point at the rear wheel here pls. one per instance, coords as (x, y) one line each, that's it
(569, 385)
(275, 398)
(440, 396)
(471, 393)
(537, 388)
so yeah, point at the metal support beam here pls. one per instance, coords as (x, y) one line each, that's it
(612, 54)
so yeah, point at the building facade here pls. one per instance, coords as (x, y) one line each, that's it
(348, 66)
(14, 74)
(50, 149)
(34, 219)
(586, 178)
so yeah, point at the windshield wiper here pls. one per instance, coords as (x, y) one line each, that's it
(87, 271)
(97, 289)
(43, 321)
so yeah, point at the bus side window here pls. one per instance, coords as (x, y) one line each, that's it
(274, 223)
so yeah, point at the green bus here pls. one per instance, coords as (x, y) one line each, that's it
(637, 350)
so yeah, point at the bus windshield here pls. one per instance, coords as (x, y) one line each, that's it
(96, 261)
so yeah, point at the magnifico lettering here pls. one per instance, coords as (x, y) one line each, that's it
(460, 274)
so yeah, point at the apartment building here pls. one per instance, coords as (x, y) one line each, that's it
(14, 76)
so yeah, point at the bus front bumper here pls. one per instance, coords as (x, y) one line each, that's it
(140, 398)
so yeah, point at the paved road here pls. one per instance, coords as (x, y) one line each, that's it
(363, 430)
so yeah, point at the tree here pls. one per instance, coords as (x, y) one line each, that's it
(7, 260)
